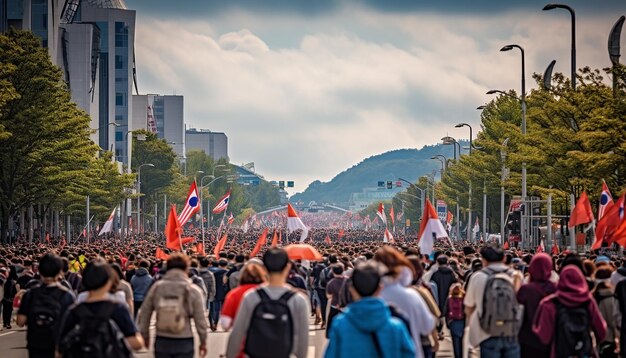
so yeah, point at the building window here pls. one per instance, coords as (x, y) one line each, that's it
(119, 136)
(119, 63)
(119, 99)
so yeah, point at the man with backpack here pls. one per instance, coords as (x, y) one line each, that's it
(43, 307)
(98, 327)
(176, 300)
(272, 320)
(367, 328)
(495, 316)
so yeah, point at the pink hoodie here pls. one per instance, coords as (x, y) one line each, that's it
(571, 291)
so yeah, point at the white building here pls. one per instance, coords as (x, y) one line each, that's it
(215, 144)
(165, 112)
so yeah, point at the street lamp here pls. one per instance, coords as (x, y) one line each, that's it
(139, 193)
(110, 124)
(573, 15)
(523, 98)
(461, 125)
(503, 178)
(447, 140)
(422, 193)
(443, 163)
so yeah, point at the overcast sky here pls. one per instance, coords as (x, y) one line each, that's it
(306, 89)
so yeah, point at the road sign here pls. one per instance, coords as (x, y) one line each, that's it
(290, 184)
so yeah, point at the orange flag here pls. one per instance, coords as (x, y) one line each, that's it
(582, 213)
(260, 243)
(327, 239)
(342, 233)
(275, 239)
(186, 240)
(200, 249)
(506, 245)
(220, 245)
(160, 254)
(173, 230)
(609, 223)
(619, 236)
(393, 216)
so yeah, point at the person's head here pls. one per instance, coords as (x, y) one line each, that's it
(589, 268)
(204, 262)
(50, 265)
(456, 290)
(492, 254)
(144, 264)
(337, 269)
(222, 263)
(540, 268)
(276, 261)
(366, 279)
(416, 262)
(239, 258)
(394, 260)
(442, 260)
(178, 261)
(252, 273)
(97, 275)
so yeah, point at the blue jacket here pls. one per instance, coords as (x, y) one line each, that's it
(140, 283)
(351, 333)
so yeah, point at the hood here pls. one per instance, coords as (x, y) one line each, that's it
(141, 272)
(572, 289)
(622, 271)
(446, 269)
(540, 268)
(368, 314)
(193, 271)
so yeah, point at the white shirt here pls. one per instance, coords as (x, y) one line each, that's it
(474, 298)
(117, 297)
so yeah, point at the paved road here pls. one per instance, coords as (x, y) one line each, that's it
(13, 343)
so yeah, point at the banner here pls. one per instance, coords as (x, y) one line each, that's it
(442, 210)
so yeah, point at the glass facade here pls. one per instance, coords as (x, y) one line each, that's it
(121, 88)
(158, 111)
(39, 20)
(103, 100)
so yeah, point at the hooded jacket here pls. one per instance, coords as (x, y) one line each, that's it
(140, 283)
(571, 291)
(444, 277)
(352, 333)
(531, 294)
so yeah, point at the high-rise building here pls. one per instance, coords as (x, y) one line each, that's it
(92, 41)
(215, 144)
(162, 114)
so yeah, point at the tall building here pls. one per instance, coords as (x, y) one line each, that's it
(162, 114)
(92, 41)
(215, 144)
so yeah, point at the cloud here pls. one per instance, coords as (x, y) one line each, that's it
(345, 85)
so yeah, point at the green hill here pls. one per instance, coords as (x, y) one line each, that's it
(409, 164)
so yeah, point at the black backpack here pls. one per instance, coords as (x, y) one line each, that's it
(270, 334)
(95, 336)
(572, 337)
(44, 316)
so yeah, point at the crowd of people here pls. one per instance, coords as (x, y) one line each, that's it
(373, 299)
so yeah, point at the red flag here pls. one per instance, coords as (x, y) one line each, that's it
(392, 214)
(231, 219)
(555, 250)
(609, 223)
(540, 248)
(342, 233)
(506, 245)
(381, 213)
(327, 239)
(48, 237)
(173, 230)
(260, 243)
(200, 249)
(619, 236)
(160, 254)
(582, 213)
(275, 239)
(606, 201)
(220, 245)
(388, 237)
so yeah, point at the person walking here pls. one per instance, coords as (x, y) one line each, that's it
(176, 301)
(491, 307)
(43, 307)
(272, 320)
(379, 334)
(140, 283)
(221, 289)
(565, 319)
(332, 293)
(530, 295)
(608, 305)
(209, 281)
(455, 318)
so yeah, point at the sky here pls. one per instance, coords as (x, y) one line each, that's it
(306, 89)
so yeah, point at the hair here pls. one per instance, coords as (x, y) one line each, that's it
(253, 273)
(442, 260)
(492, 253)
(337, 269)
(50, 265)
(366, 278)
(96, 275)
(144, 263)
(589, 268)
(393, 259)
(178, 261)
(275, 260)
(204, 262)
(118, 270)
(240, 258)
(456, 290)
(416, 262)
(332, 258)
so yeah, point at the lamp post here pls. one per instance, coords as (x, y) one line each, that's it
(422, 193)
(503, 178)
(447, 140)
(141, 137)
(523, 100)
(573, 16)
(460, 125)
(139, 194)
(614, 49)
(201, 189)
(442, 163)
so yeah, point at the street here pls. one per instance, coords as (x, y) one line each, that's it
(13, 344)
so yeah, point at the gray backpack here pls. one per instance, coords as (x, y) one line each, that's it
(501, 314)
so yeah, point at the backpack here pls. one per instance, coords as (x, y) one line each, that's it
(171, 310)
(501, 313)
(44, 316)
(271, 325)
(95, 336)
(572, 338)
(455, 308)
(324, 277)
